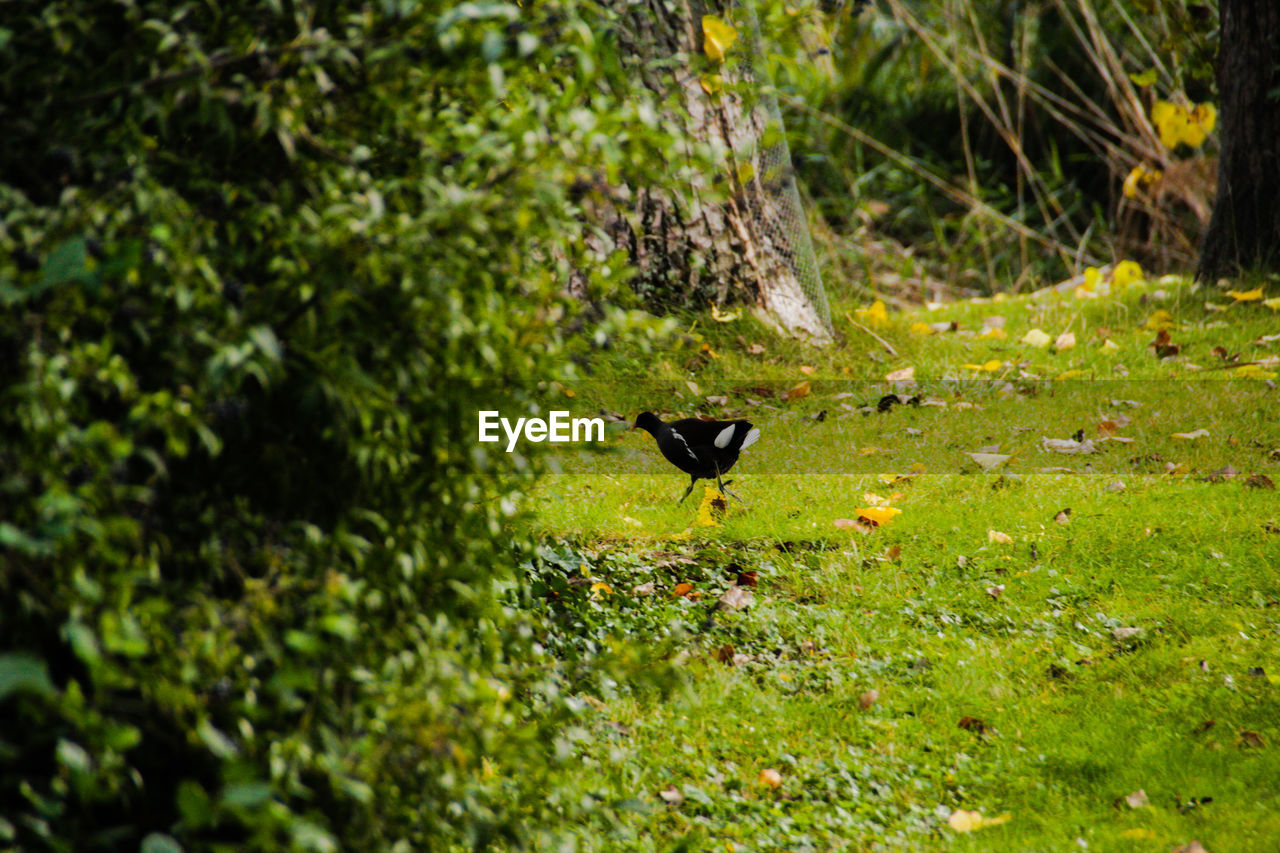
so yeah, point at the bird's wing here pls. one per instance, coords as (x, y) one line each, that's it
(687, 448)
(725, 436)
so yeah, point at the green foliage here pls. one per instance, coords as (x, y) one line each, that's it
(261, 264)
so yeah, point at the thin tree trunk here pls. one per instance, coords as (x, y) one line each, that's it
(1244, 230)
(732, 233)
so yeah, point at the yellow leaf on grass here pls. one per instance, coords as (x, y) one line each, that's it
(1143, 78)
(875, 315)
(1139, 834)
(919, 328)
(1140, 178)
(999, 538)
(1159, 319)
(713, 508)
(873, 499)
(798, 391)
(682, 589)
(1091, 276)
(1273, 304)
(1036, 338)
(989, 367)
(1109, 346)
(881, 515)
(1066, 340)
(717, 37)
(1127, 272)
(770, 778)
(600, 587)
(1200, 433)
(902, 374)
(1246, 295)
(721, 316)
(963, 820)
(1069, 374)
(991, 332)
(711, 84)
(1253, 371)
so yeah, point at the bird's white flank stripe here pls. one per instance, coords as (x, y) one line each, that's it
(725, 436)
(752, 438)
(686, 445)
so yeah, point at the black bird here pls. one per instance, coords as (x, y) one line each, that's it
(705, 450)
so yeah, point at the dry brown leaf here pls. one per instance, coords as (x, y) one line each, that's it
(973, 724)
(1251, 740)
(1259, 481)
(770, 778)
(643, 589)
(996, 591)
(867, 699)
(806, 370)
(682, 589)
(671, 795)
(999, 538)
(1137, 799)
(735, 598)
(748, 578)
(1063, 516)
(851, 524)
(892, 553)
(1191, 847)
(755, 349)
(903, 374)
(718, 400)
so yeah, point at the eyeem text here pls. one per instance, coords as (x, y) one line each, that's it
(559, 427)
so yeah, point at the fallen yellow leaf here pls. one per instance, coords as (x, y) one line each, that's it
(902, 374)
(1036, 338)
(600, 587)
(1127, 272)
(1069, 374)
(1066, 340)
(999, 538)
(875, 315)
(1200, 433)
(712, 84)
(770, 778)
(881, 515)
(1273, 304)
(989, 367)
(1246, 295)
(1159, 319)
(1253, 371)
(962, 820)
(991, 332)
(1140, 178)
(1109, 346)
(1139, 833)
(798, 391)
(919, 328)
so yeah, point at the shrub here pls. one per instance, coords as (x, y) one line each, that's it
(261, 264)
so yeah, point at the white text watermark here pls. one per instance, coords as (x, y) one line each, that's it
(558, 428)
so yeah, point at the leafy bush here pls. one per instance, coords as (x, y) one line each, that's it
(261, 264)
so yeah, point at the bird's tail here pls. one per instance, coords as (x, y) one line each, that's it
(752, 438)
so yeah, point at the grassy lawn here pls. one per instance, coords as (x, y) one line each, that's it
(1078, 602)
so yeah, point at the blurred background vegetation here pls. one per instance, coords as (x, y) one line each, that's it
(260, 264)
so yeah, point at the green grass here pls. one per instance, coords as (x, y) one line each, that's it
(929, 611)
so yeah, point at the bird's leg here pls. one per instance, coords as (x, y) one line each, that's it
(692, 480)
(722, 484)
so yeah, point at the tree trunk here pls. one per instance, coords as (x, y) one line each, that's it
(751, 243)
(1244, 231)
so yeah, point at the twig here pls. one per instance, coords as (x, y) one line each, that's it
(893, 352)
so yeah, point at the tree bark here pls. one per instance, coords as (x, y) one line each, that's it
(1244, 230)
(709, 244)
